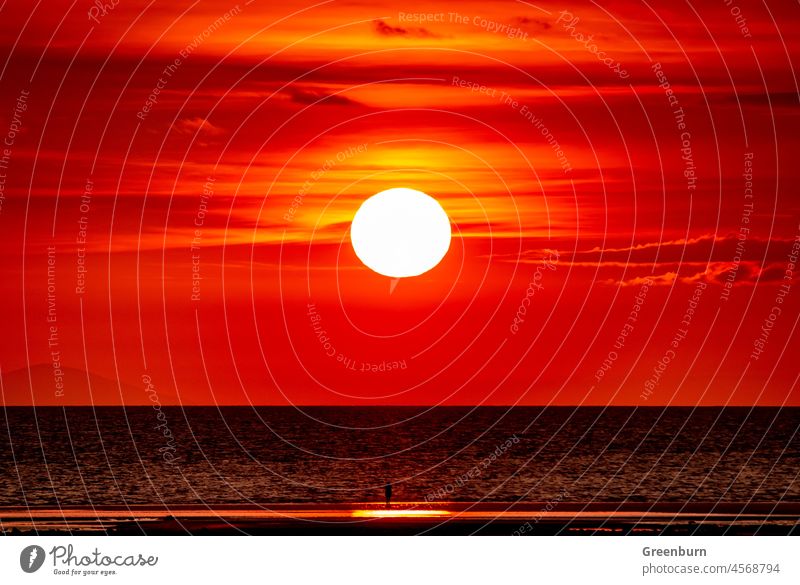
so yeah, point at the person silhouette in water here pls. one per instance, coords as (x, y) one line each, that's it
(388, 492)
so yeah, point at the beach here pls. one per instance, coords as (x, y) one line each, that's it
(411, 518)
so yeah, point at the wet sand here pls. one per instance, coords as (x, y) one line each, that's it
(520, 518)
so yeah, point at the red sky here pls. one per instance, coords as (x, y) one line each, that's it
(556, 154)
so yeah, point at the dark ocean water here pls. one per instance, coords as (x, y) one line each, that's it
(77, 456)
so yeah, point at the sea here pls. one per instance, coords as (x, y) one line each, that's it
(84, 456)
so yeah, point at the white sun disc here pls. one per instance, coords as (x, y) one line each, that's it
(400, 232)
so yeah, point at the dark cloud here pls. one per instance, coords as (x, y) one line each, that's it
(305, 96)
(535, 22)
(197, 125)
(745, 273)
(756, 261)
(778, 99)
(386, 30)
(703, 248)
(776, 272)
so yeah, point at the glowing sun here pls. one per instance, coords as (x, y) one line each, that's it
(400, 232)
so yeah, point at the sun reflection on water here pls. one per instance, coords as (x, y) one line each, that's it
(399, 513)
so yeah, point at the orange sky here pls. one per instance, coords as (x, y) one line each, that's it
(234, 143)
